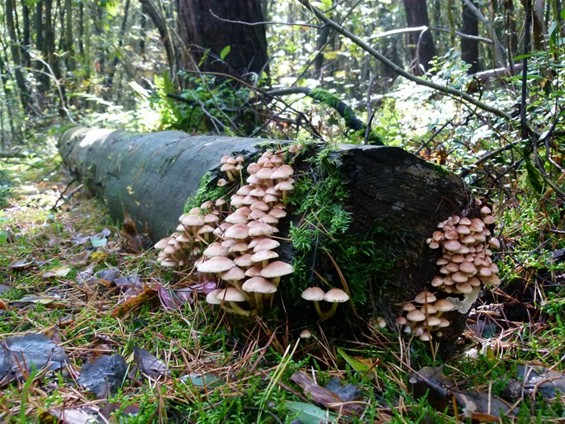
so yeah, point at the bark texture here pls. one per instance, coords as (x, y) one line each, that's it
(421, 44)
(207, 27)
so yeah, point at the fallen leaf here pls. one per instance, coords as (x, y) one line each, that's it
(440, 392)
(132, 302)
(22, 264)
(57, 272)
(538, 379)
(107, 410)
(21, 354)
(104, 375)
(203, 380)
(84, 415)
(149, 364)
(322, 395)
(134, 241)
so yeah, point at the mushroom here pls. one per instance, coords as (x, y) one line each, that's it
(259, 286)
(233, 296)
(334, 296)
(216, 265)
(275, 270)
(316, 295)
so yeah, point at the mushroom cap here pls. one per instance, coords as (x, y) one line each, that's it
(261, 229)
(468, 268)
(452, 245)
(216, 264)
(238, 247)
(444, 305)
(284, 186)
(313, 294)
(215, 249)
(254, 271)
(161, 244)
(244, 260)
(264, 173)
(277, 269)
(235, 273)
(212, 298)
(415, 316)
(264, 244)
(237, 218)
(408, 307)
(192, 221)
(336, 295)
(237, 232)
(230, 294)
(432, 321)
(425, 297)
(277, 212)
(259, 285)
(282, 172)
(264, 255)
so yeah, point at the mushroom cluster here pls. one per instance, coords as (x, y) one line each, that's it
(234, 243)
(333, 296)
(465, 265)
(424, 315)
(195, 230)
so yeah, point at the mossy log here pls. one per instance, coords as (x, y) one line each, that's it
(394, 199)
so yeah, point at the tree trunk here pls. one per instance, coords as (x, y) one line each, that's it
(15, 50)
(395, 201)
(165, 34)
(470, 47)
(421, 44)
(205, 32)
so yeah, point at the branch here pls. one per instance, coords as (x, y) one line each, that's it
(398, 70)
(425, 28)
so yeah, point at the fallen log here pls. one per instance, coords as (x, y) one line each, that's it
(393, 201)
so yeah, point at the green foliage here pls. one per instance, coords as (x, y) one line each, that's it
(207, 190)
(5, 188)
(322, 233)
(208, 104)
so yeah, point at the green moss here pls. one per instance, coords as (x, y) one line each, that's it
(207, 190)
(326, 252)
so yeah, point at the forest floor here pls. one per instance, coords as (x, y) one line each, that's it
(133, 345)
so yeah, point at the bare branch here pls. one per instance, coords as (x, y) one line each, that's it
(425, 28)
(262, 22)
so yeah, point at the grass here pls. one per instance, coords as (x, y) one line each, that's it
(220, 376)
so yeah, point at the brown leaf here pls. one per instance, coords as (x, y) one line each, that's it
(133, 301)
(134, 241)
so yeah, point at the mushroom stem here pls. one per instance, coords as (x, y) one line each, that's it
(239, 310)
(259, 302)
(330, 313)
(321, 314)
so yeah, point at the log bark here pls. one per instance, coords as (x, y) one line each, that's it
(150, 176)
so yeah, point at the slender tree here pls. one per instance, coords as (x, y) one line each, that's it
(470, 46)
(421, 43)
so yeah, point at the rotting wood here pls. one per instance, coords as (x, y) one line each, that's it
(150, 176)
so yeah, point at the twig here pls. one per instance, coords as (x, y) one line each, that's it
(231, 21)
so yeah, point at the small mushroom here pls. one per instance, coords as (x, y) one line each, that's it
(275, 270)
(259, 286)
(334, 296)
(316, 295)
